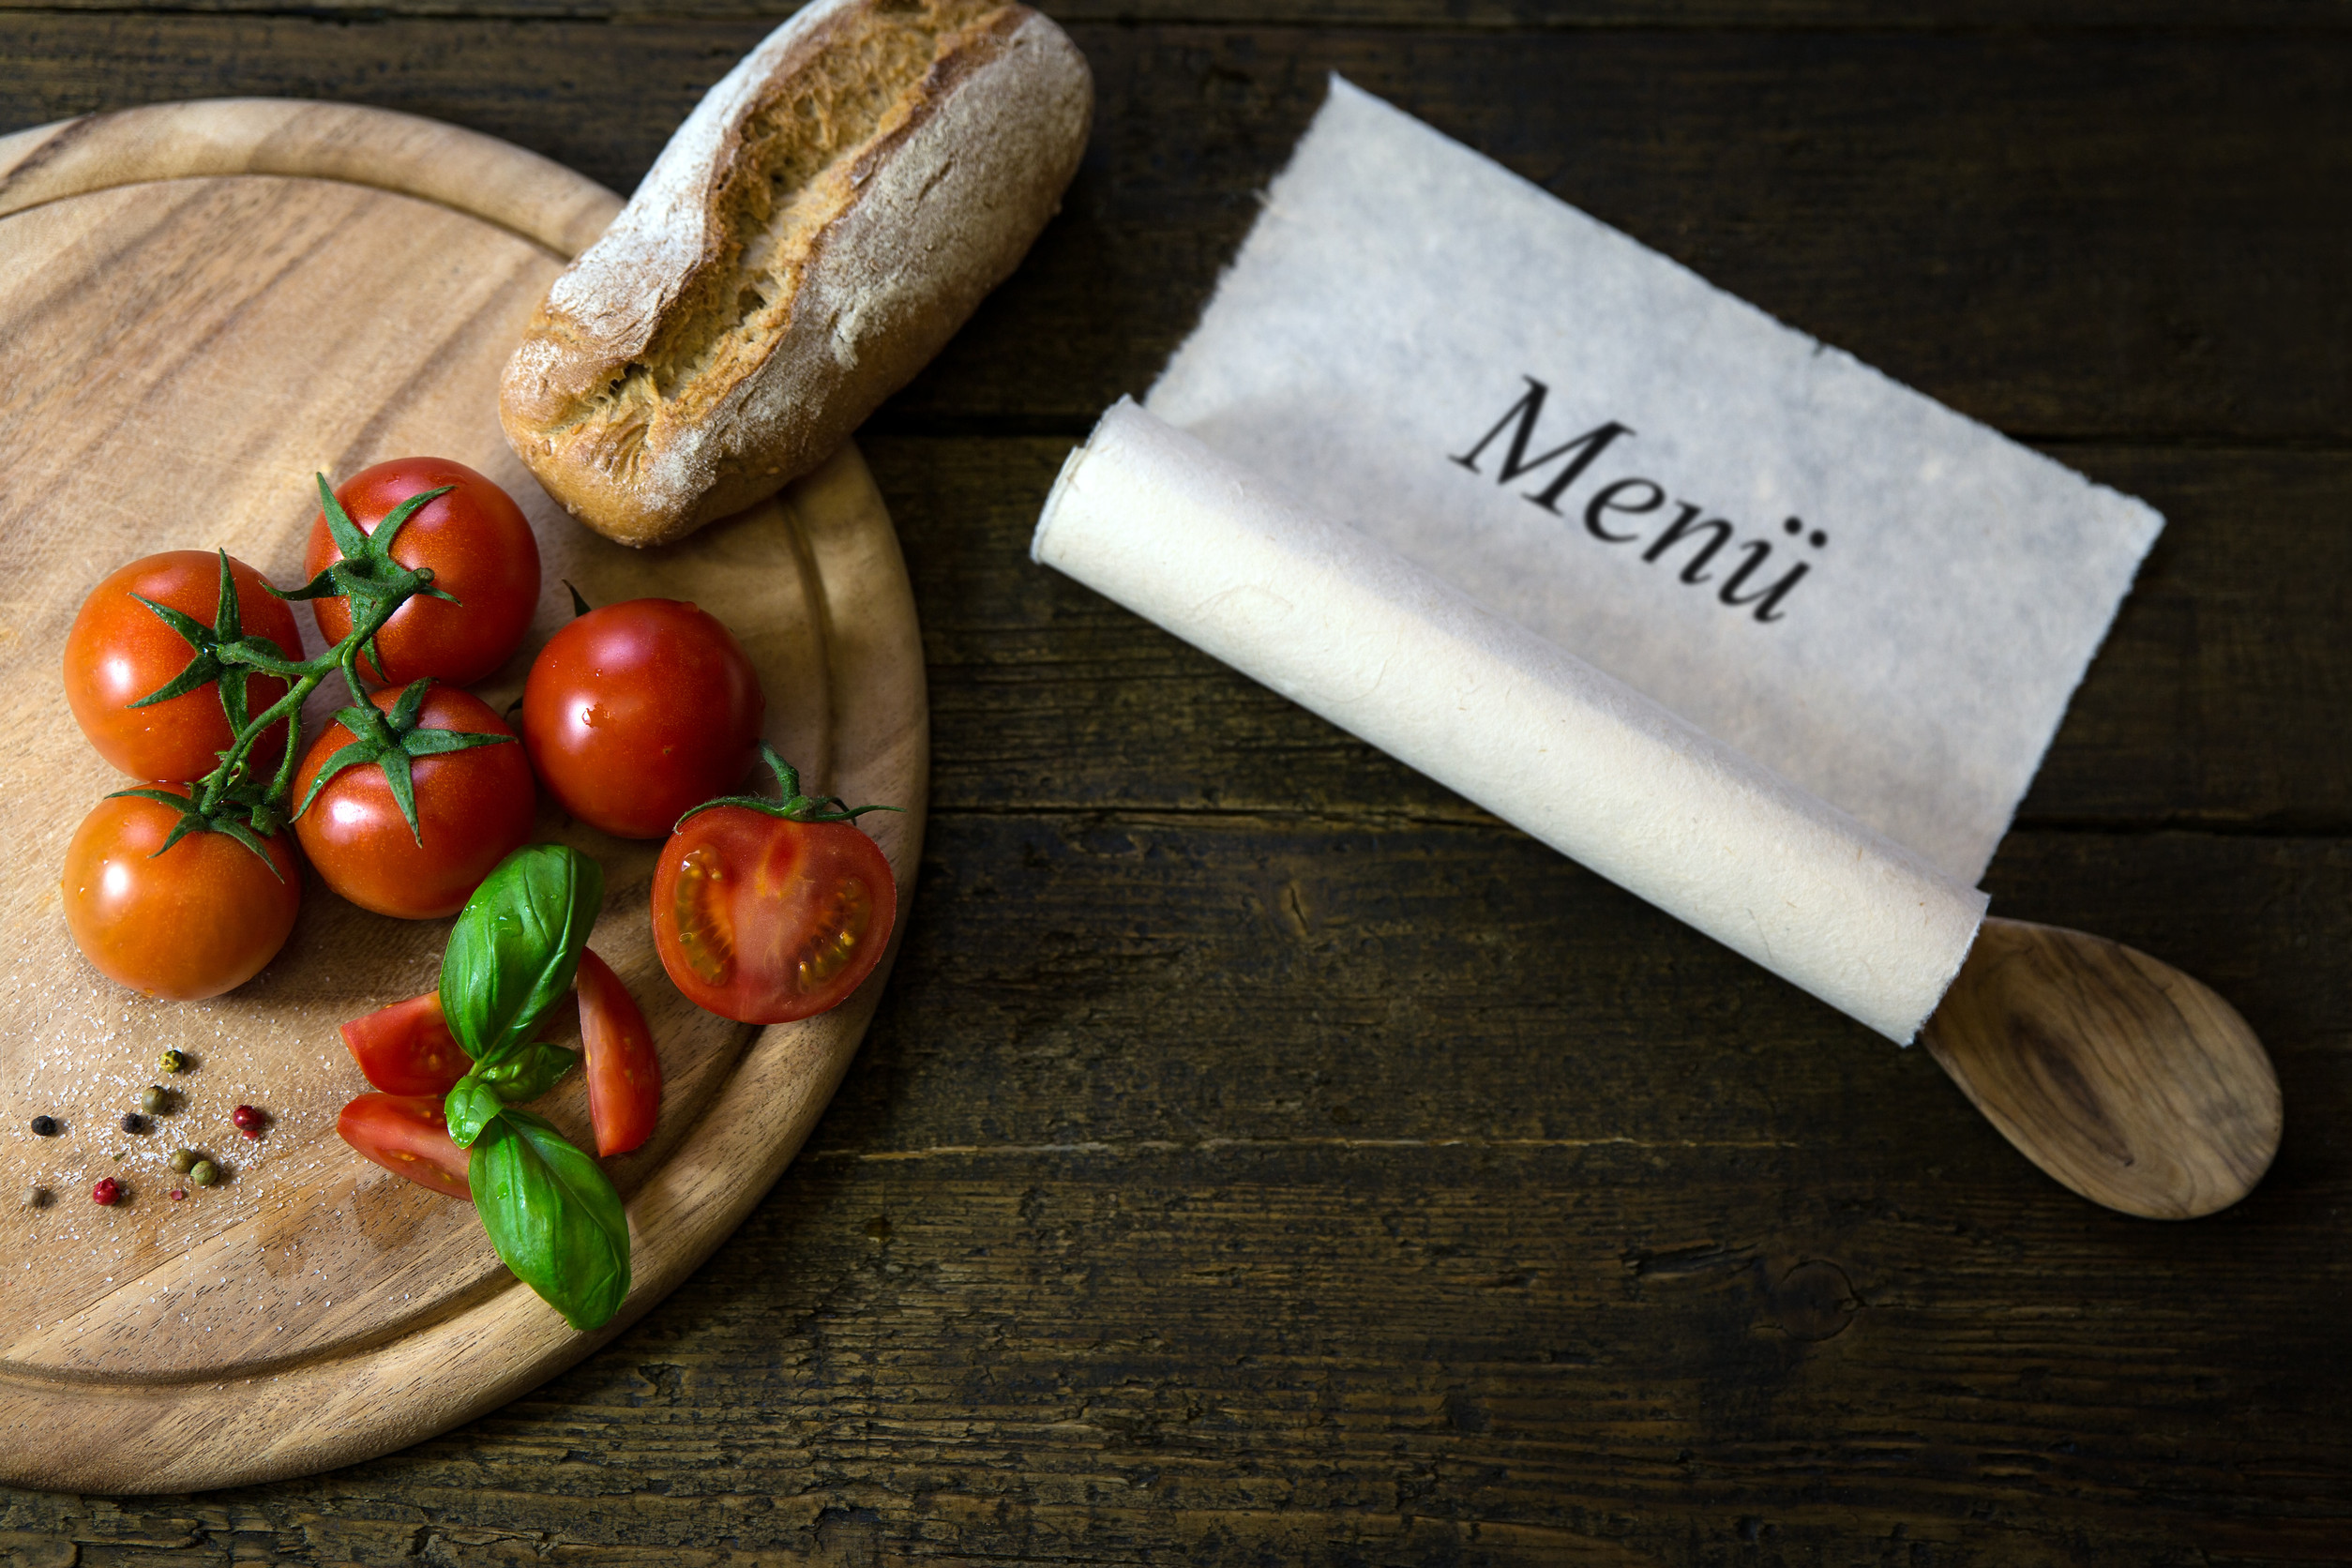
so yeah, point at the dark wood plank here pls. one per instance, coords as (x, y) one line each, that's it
(1158, 1222)
(1965, 210)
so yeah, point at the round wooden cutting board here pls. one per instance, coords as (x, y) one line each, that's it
(201, 305)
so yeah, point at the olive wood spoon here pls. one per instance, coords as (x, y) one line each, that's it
(2121, 1077)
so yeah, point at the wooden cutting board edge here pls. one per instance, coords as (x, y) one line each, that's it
(143, 1438)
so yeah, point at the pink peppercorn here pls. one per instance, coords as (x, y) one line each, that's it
(179, 1193)
(108, 1193)
(247, 1121)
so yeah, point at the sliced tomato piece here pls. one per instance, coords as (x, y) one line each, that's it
(405, 1133)
(407, 1048)
(624, 1074)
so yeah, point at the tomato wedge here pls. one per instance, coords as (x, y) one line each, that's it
(624, 1074)
(406, 1134)
(407, 1048)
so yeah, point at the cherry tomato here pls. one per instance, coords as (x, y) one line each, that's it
(406, 1134)
(638, 711)
(624, 1074)
(764, 920)
(474, 809)
(119, 650)
(482, 552)
(199, 919)
(407, 1048)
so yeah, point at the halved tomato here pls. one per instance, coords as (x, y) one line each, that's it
(406, 1134)
(407, 1048)
(624, 1074)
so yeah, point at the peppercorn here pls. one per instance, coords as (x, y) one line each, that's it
(247, 1120)
(108, 1193)
(35, 1196)
(171, 1061)
(44, 1126)
(179, 1193)
(203, 1174)
(152, 1099)
(183, 1160)
(134, 1122)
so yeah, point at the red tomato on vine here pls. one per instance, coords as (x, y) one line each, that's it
(473, 807)
(480, 550)
(638, 711)
(120, 651)
(195, 920)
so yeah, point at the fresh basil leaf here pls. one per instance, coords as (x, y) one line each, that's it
(553, 1217)
(469, 1108)
(516, 947)
(529, 1073)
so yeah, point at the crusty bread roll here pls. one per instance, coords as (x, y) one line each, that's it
(817, 229)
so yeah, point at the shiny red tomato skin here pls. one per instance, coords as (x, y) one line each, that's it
(407, 1048)
(623, 1073)
(764, 920)
(474, 807)
(406, 1134)
(638, 713)
(119, 650)
(201, 919)
(481, 549)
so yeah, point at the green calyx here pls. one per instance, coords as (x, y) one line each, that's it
(229, 799)
(242, 816)
(367, 576)
(392, 741)
(794, 806)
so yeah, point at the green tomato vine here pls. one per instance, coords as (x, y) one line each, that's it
(233, 799)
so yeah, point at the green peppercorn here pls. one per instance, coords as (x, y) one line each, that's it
(183, 1160)
(152, 1099)
(171, 1061)
(203, 1174)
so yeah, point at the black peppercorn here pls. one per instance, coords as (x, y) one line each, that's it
(134, 1122)
(44, 1126)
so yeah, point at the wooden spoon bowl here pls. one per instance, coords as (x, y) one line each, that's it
(2121, 1077)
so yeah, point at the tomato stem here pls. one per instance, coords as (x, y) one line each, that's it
(794, 806)
(375, 586)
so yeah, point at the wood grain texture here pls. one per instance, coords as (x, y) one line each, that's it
(2127, 1080)
(187, 338)
(1260, 1155)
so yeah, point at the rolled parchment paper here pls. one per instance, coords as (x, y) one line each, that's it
(1348, 629)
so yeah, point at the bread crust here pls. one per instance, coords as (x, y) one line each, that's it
(820, 226)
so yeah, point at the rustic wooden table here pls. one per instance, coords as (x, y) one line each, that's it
(1261, 1155)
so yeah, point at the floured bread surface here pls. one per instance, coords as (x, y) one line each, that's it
(822, 224)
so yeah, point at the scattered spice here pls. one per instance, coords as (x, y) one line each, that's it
(35, 1196)
(108, 1193)
(171, 1061)
(183, 1160)
(248, 1121)
(179, 1193)
(44, 1126)
(152, 1099)
(203, 1174)
(134, 1122)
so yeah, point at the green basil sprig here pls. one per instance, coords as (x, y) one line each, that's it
(553, 1217)
(549, 1208)
(516, 947)
(517, 1079)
